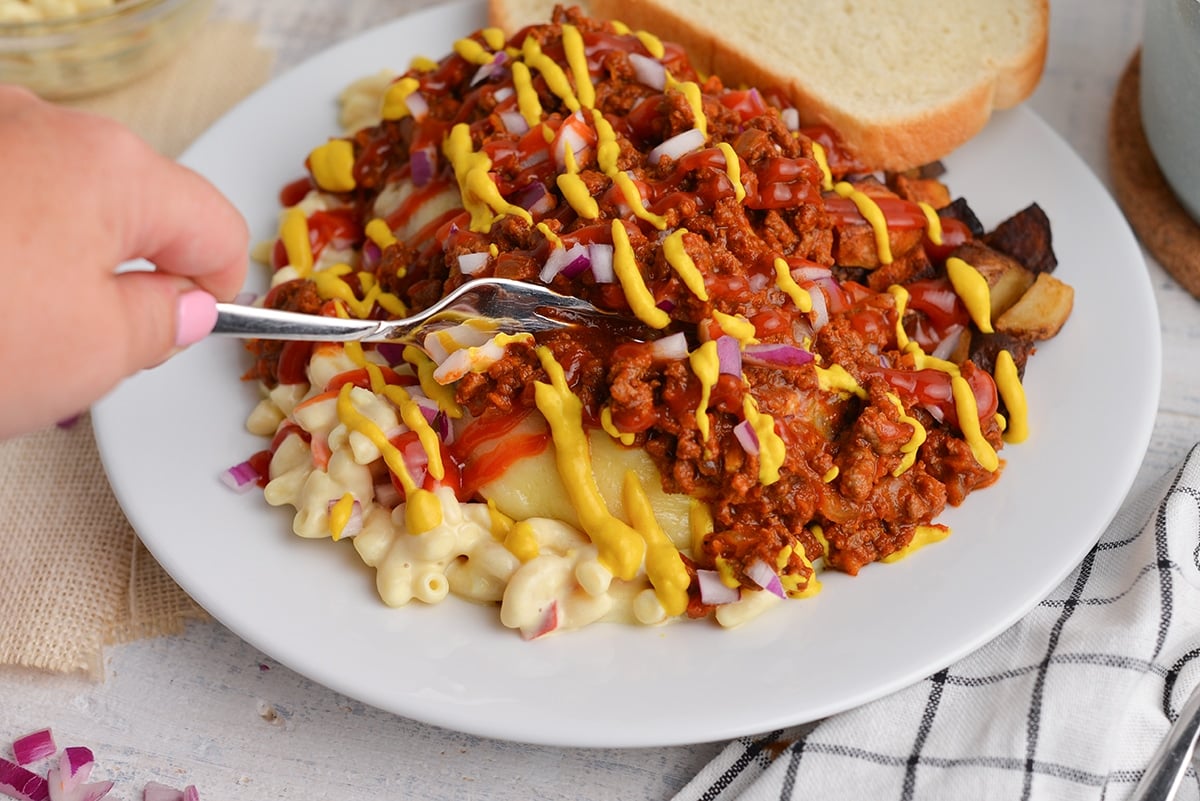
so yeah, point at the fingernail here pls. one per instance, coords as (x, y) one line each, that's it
(195, 318)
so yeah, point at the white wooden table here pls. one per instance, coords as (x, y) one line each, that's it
(207, 709)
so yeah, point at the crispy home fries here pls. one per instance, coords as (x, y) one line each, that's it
(820, 354)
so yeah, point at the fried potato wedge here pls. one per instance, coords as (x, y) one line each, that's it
(1040, 312)
(1007, 278)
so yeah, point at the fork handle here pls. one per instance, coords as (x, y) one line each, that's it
(253, 322)
(1174, 754)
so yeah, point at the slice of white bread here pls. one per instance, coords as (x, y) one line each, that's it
(904, 82)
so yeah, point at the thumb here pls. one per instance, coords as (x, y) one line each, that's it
(161, 314)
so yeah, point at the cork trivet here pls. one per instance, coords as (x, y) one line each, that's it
(1156, 215)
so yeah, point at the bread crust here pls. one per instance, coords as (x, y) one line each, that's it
(897, 142)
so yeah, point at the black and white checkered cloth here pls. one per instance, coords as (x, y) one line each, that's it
(1069, 703)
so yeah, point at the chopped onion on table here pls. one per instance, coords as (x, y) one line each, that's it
(33, 747)
(66, 778)
(761, 574)
(713, 590)
(242, 477)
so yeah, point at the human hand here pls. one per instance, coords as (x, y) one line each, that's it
(82, 195)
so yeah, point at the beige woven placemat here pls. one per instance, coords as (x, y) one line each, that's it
(73, 575)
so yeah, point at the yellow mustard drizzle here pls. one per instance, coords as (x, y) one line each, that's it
(634, 198)
(823, 164)
(695, 100)
(933, 223)
(527, 98)
(869, 209)
(473, 52)
(378, 232)
(733, 169)
(834, 378)
(498, 523)
(332, 165)
(572, 41)
(652, 43)
(664, 568)
(546, 231)
(574, 189)
(900, 296)
(968, 421)
(339, 515)
(790, 582)
(331, 286)
(442, 394)
(677, 256)
(910, 448)
(771, 450)
(422, 64)
(556, 79)
(521, 541)
(924, 535)
(620, 547)
(422, 510)
(493, 37)
(831, 474)
(1008, 383)
(923, 361)
(626, 269)
(736, 326)
(707, 368)
(788, 285)
(606, 423)
(293, 232)
(818, 533)
(725, 571)
(480, 195)
(395, 99)
(608, 149)
(970, 285)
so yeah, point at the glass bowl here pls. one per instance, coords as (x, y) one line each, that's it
(96, 50)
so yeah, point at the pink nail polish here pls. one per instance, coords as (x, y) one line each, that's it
(195, 317)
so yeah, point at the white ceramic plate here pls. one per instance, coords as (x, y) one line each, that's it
(167, 434)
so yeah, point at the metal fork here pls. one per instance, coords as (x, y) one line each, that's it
(499, 304)
(1170, 762)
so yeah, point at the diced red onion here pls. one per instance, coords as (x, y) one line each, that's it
(428, 406)
(776, 355)
(666, 304)
(371, 254)
(22, 784)
(154, 791)
(81, 792)
(713, 591)
(190, 793)
(75, 765)
(392, 352)
(562, 258)
(729, 356)
(678, 145)
(502, 94)
(441, 424)
(602, 263)
(649, 71)
(514, 122)
(241, 477)
(672, 347)
(746, 437)
(949, 343)
(33, 746)
(579, 264)
(422, 165)
(534, 198)
(570, 135)
(764, 576)
(386, 495)
(354, 523)
(472, 263)
(758, 282)
(493, 69)
(791, 118)
(811, 272)
(820, 309)
(418, 106)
